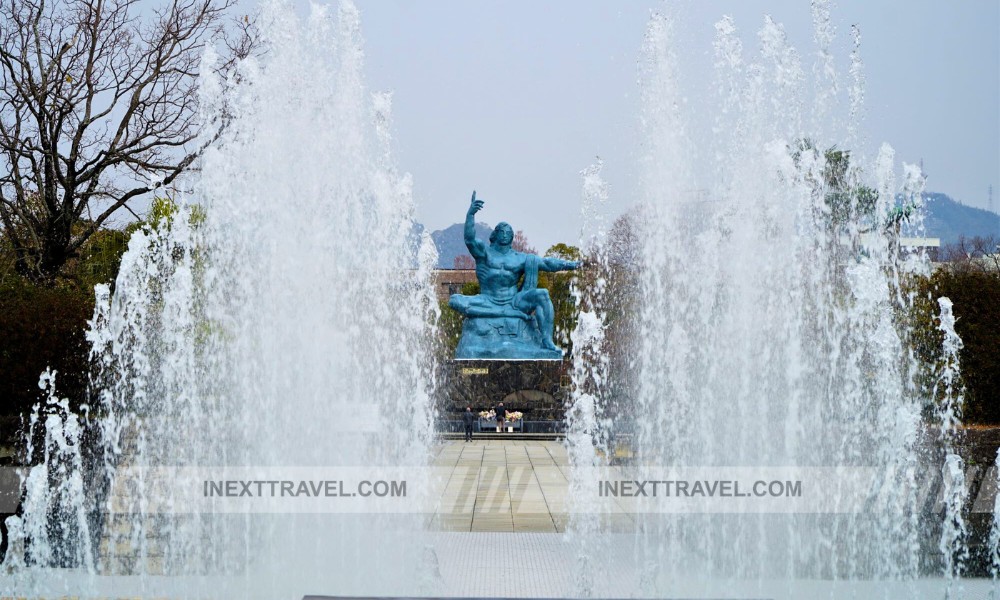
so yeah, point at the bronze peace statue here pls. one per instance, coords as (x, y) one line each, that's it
(506, 321)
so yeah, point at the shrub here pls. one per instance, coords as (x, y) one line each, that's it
(975, 295)
(42, 327)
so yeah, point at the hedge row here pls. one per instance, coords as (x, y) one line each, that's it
(975, 295)
(42, 327)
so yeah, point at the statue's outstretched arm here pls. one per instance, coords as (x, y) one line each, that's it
(551, 263)
(476, 246)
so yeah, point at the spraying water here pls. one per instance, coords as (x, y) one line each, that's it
(587, 421)
(770, 328)
(289, 295)
(289, 292)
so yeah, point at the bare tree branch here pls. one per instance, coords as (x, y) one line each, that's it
(980, 254)
(95, 103)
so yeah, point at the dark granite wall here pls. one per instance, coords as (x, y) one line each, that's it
(538, 388)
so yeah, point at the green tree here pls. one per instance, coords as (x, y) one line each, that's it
(847, 201)
(560, 287)
(101, 257)
(851, 206)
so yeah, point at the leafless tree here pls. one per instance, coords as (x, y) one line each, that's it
(623, 239)
(98, 103)
(521, 243)
(464, 261)
(972, 254)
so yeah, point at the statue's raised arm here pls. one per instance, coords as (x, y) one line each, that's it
(476, 246)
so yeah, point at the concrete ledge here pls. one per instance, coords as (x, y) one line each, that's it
(464, 598)
(493, 435)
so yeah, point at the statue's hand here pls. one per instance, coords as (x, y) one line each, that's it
(476, 206)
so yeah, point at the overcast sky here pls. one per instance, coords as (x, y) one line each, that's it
(514, 98)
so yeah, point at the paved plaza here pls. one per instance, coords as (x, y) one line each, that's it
(508, 486)
(499, 533)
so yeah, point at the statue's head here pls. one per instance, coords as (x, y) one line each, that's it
(503, 234)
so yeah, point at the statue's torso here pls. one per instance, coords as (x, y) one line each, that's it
(499, 273)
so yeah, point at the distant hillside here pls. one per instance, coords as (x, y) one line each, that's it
(947, 219)
(450, 242)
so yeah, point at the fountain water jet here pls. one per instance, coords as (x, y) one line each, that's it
(245, 330)
(769, 334)
(770, 327)
(587, 421)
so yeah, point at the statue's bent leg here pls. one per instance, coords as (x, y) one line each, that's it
(545, 314)
(480, 306)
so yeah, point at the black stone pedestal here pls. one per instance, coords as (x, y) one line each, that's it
(537, 388)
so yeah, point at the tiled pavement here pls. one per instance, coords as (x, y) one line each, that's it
(507, 486)
(497, 535)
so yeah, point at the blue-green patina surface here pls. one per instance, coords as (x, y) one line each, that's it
(505, 320)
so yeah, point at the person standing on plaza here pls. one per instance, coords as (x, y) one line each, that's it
(501, 414)
(467, 419)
